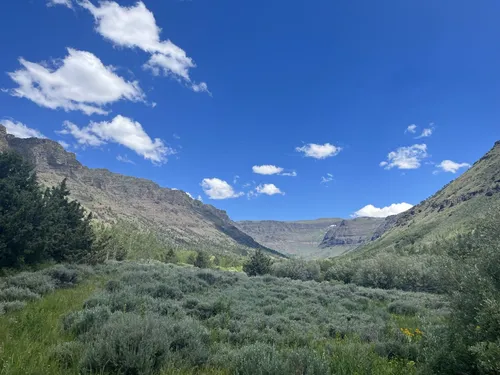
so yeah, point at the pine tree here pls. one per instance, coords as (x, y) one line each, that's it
(202, 260)
(170, 256)
(68, 229)
(21, 213)
(258, 264)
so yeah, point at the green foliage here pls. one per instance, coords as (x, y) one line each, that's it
(258, 264)
(21, 213)
(471, 342)
(297, 270)
(35, 227)
(202, 260)
(156, 318)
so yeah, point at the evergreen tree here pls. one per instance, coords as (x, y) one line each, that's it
(68, 229)
(202, 260)
(21, 213)
(258, 264)
(170, 256)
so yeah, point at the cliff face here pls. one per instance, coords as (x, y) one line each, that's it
(351, 233)
(111, 196)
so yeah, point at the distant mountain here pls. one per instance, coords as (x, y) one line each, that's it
(312, 239)
(453, 209)
(111, 196)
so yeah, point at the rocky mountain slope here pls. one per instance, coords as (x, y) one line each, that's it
(451, 210)
(311, 239)
(111, 196)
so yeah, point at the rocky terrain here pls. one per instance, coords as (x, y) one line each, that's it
(451, 210)
(312, 239)
(111, 196)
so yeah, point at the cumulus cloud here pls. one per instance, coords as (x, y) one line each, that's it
(267, 169)
(451, 166)
(411, 129)
(121, 130)
(135, 27)
(268, 189)
(326, 179)
(313, 150)
(372, 211)
(406, 157)
(216, 188)
(20, 130)
(80, 82)
(67, 3)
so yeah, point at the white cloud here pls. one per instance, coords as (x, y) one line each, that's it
(124, 159)
(80, 82)
(411, 129)
(406, 157)
(189, 195)
(327, 178)
(200, 198)
(316, 151)
(121, 130)
(290, 174)
(215, 188)
(451, 166)
(135, 27)
(20, 130)
(64, 144)
(67, 3)
(372, 211)
(427, 132)
(266, 169)
(268, 189)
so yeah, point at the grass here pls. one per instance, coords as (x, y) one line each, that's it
(155, 318)
(26, 336)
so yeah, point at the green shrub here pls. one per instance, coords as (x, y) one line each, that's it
(402, 308)
(297, 270)
(66, 354)
(258, 264)
(6, 307)
(17, 294)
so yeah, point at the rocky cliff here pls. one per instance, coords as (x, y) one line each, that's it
(111, 196)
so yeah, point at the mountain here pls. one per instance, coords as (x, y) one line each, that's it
(312, 239)
(451, 210)
(111, 196)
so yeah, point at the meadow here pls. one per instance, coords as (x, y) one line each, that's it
(151, 317)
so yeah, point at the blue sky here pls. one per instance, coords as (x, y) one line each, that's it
(324, 90)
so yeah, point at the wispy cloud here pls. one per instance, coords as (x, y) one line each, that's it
(411, 129)
(326, 179)
(124, 159)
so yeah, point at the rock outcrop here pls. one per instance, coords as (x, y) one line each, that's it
(112, 196)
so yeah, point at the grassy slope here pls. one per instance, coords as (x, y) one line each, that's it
(451, 210)
(26, 336)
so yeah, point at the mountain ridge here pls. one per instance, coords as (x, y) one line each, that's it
(111, 196)
(450, 210)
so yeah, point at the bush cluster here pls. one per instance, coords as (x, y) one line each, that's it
(154, 316)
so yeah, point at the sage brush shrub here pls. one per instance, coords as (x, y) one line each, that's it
(207, 319)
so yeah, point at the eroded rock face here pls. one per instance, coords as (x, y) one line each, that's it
(351, 232)
(112, 196)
